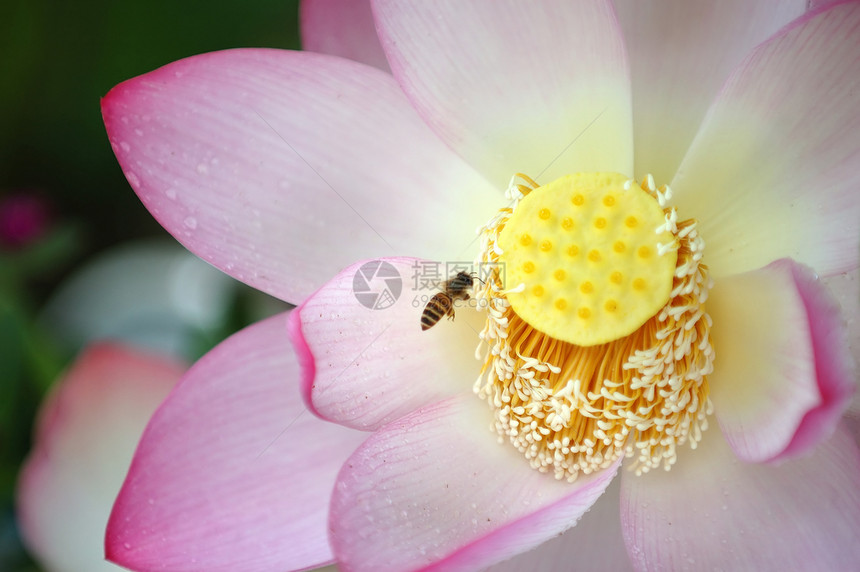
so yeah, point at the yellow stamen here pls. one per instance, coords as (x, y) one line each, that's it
(589, 359)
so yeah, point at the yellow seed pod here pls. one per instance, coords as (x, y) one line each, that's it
(601, 239)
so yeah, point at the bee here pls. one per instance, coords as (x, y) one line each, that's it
(442, 303)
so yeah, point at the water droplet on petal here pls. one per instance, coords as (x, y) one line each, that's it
(132, 179)
(190, 222)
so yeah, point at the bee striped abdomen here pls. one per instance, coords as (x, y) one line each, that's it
(439, 305)
(442, 303)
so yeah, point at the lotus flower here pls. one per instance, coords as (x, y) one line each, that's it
(737, 121)
(85, 436)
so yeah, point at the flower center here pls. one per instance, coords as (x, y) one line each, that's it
(597, 338)
(586, 249)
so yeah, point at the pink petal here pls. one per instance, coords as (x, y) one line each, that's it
(680, 54)
(540, 87)
(773, 171)
(232, 472)
(783, 376)
(852, 425)
(364, 367)
(594, 544)
(845, 288)
(341, 28)
(713, 512)
(435, 489)
(86, 432)
(281, 168)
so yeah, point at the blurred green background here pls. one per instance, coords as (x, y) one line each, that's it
(57, 59)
